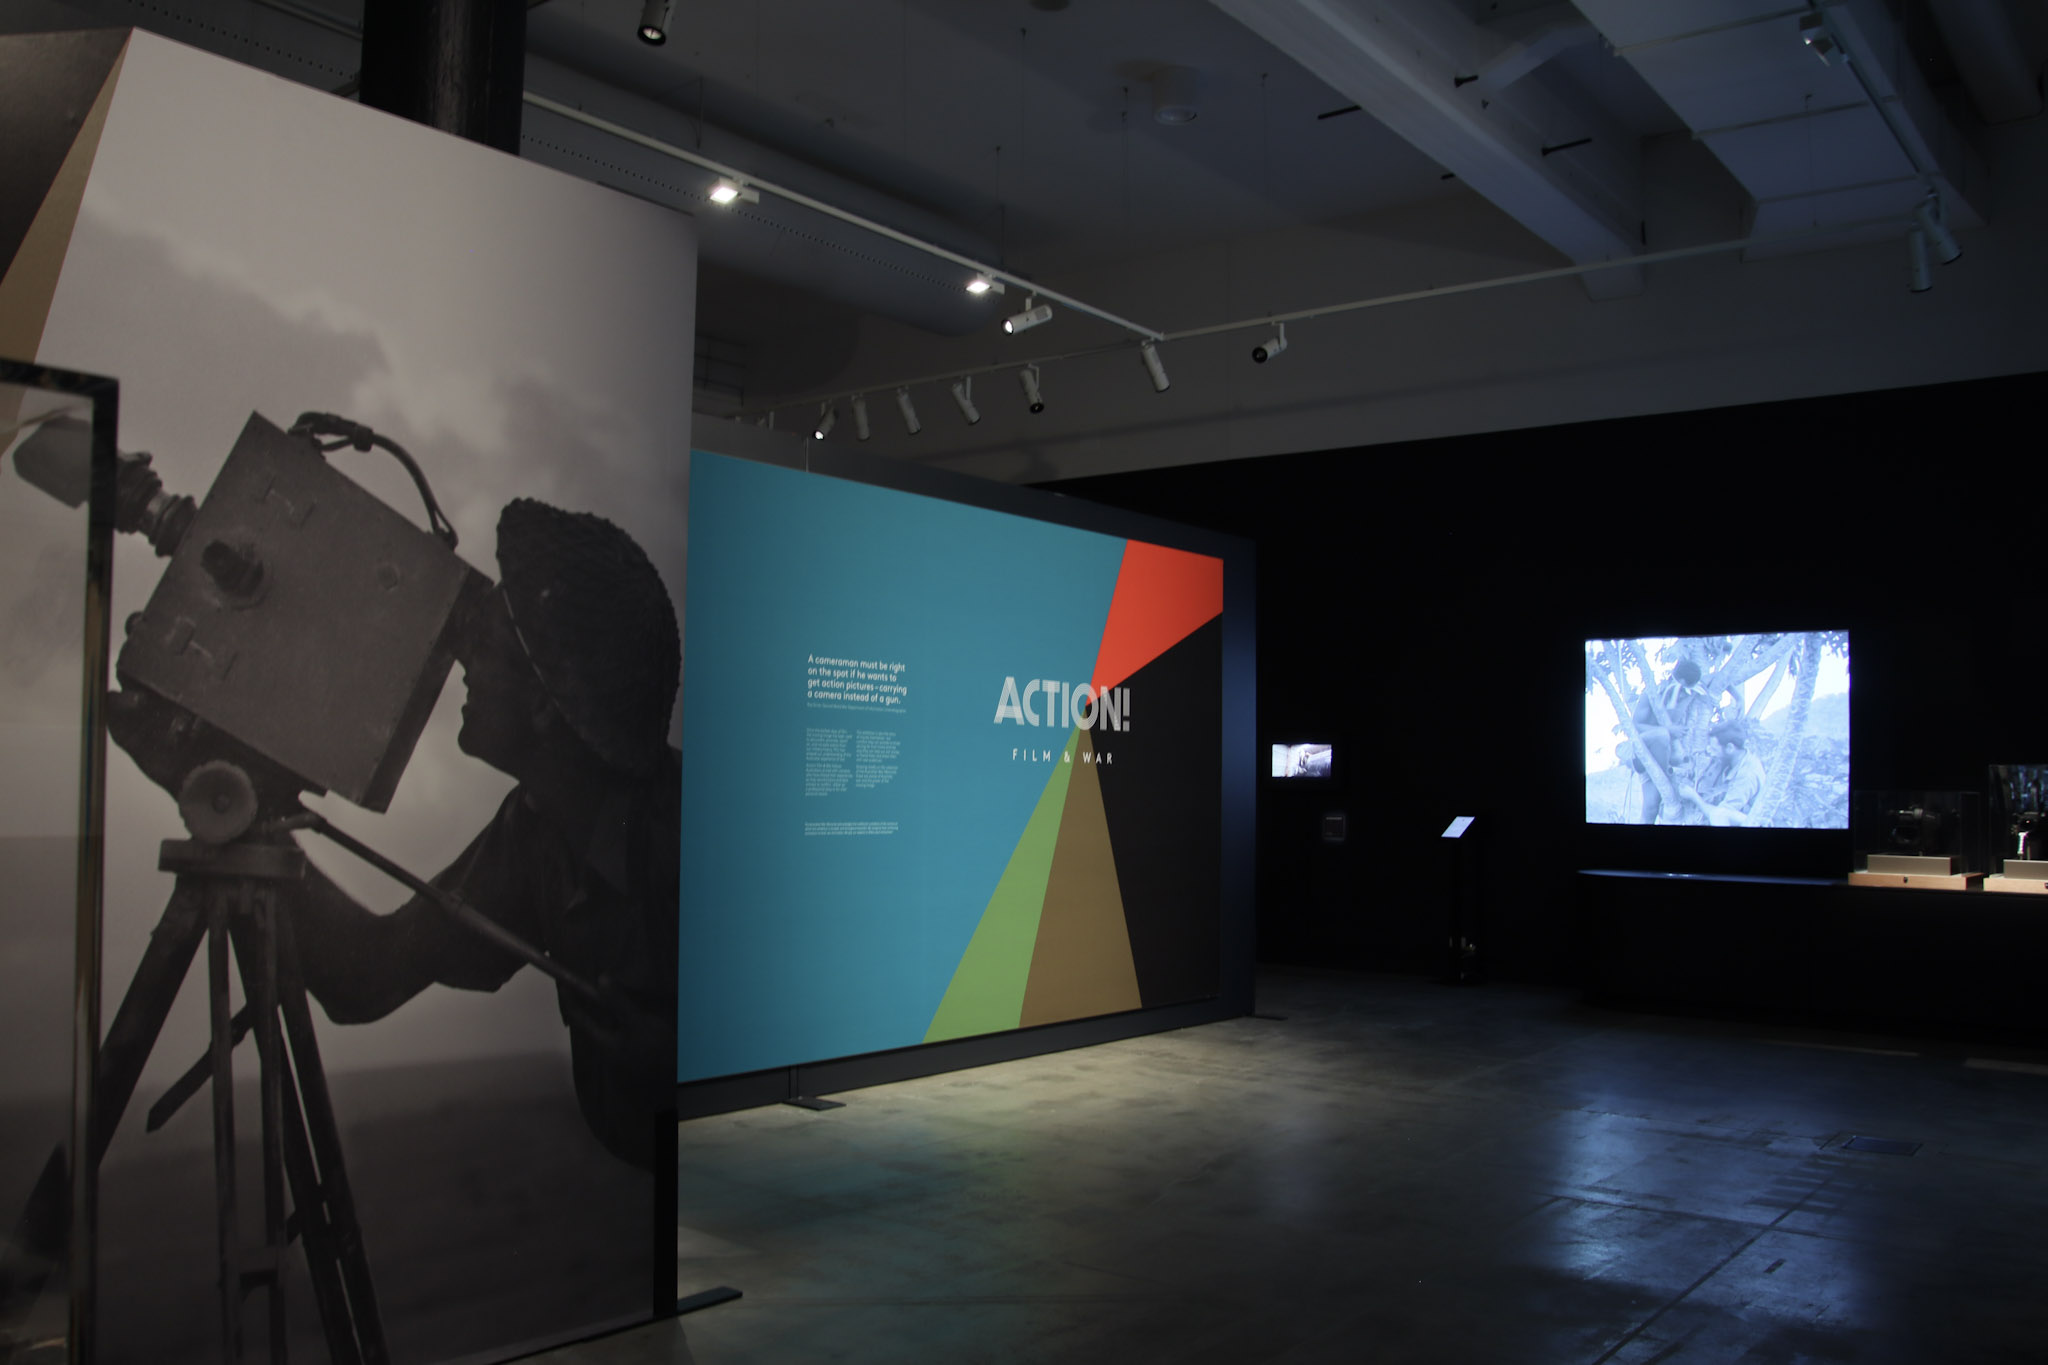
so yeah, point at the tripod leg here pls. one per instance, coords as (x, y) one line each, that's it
(294, 1152)
(316, 1231)
(323, 1139)
(141, 1016)
(256, 951)
(223, 1056)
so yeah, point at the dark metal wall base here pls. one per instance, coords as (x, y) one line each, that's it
(706, 1299)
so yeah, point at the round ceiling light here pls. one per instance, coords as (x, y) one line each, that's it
(1175, 92)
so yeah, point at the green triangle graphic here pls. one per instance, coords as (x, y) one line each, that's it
(987, 991)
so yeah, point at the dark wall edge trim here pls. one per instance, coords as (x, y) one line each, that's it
(724, 1094)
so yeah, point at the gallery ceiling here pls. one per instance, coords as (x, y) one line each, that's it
(1047, 137)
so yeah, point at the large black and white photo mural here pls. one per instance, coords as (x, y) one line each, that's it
(389, 961)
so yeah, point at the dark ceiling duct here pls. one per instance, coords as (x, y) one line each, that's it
(456, 65)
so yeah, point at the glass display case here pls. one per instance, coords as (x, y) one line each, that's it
(56, 525)
(1917, 838)
(2016, 828)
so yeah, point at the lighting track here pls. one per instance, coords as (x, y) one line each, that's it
(1269, 320)
(702, 162)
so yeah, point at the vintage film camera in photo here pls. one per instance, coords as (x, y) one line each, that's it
(295, 643)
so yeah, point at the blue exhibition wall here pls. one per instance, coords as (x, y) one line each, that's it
(948, 770)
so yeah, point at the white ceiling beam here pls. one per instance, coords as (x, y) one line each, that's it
(1558, 165)
(1811, 143)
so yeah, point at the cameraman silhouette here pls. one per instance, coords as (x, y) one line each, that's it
(571, 666)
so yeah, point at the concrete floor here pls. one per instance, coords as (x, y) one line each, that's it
(1397, 1172)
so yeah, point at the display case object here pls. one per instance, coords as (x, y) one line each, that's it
(2016, 829)
(1929, 839)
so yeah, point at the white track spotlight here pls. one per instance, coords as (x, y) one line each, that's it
(1927, 213)
(963, 394)
(860, 416)
(729, 192)
(910, 422)
(828, 417)
(1271, 346)
(1917, 257)
(1028, 377)
(1820, 38)
(982, 284)
(1033, 314)
(1149, 353)
(654, 17)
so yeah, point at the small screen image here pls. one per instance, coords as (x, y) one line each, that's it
(1720, 731)
(1301, 760)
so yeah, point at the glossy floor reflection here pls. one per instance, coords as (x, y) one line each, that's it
(1397, 1172)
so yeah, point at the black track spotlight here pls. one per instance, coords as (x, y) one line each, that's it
(860, 416)
(1917, 258)
(654, 17)
(828, 417)
(1028, 377)
(963, 394)
(1033, 314)
(1271, 346)
(1149, 353)
(1927, 213)
(910, 422)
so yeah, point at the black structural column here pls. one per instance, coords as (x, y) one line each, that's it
(456, 65)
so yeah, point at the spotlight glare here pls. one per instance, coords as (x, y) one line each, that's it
(654, 17)
(982, 284)
(828, 417)
(1271, 346)
(963, 394)
(728, 192)
(910, 422)
(1149, 353)
(860, 416)
(1029, 318)
(1033, 399)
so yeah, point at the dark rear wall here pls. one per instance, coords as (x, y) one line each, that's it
(1425, 605)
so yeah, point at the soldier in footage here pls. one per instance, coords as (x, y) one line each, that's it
(1682, 699)
(1728, 790)
(571, 667)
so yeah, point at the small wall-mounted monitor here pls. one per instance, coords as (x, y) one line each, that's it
(1301, 760)
(1719, 731)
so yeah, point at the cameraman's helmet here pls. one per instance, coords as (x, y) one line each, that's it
(600, 627)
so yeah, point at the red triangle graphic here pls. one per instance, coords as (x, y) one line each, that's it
(1162, 597)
